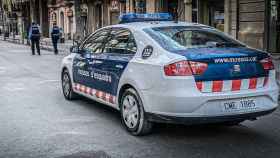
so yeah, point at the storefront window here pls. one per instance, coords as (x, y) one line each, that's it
(172, 8)
(210, 12)
(140, 6)
(219, 20)
(217, 14)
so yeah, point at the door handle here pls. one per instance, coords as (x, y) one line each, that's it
(80, 64)
(81, 58)
(97, 62)
(119, 66)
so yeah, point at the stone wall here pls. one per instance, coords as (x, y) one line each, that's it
(251, 18)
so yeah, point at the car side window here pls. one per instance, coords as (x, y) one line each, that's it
(95, 43)
(120, 41)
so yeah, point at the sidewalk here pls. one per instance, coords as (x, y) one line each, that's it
(45, 44)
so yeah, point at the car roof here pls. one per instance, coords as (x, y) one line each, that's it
(152, 24)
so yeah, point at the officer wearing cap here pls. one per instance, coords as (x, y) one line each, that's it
(55, 34)
(34, 36)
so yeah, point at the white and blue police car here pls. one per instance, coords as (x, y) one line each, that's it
(153, 69)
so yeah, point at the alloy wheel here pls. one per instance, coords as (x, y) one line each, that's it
(130, 111)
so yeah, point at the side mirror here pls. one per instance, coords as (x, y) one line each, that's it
(76, 42)
(75, 47)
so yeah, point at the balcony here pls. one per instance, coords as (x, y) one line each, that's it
(53, 3)
(19, 1)
(68, 2)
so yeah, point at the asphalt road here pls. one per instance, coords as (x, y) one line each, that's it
(37, 122)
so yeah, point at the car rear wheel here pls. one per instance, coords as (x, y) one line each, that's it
(68, 92)
(133, 114)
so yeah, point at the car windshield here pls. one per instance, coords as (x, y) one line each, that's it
(182, 37)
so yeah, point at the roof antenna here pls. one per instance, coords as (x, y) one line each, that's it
(177, 14)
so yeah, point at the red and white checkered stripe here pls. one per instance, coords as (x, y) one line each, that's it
(231, 85)
(93, 92)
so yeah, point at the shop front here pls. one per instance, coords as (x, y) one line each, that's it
(114, 11)
(209, 12)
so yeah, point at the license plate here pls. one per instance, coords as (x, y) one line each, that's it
(239, 105)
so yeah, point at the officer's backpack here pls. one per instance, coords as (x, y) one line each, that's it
(35, 32)
(55, 32)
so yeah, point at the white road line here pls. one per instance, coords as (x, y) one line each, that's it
(12, 87)
(2, 69)
(48, 81)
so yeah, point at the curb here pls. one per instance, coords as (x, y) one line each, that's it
(42, 46)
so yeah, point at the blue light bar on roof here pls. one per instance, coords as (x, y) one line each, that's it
(136, 17)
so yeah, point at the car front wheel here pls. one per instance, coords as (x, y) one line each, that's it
(133, 114)
(68, 92)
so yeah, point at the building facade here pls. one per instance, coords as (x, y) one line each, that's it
(62, 13)
(101, 13)
(19, 14)
(254, 22)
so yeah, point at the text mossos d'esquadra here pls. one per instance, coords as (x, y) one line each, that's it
(95, 75)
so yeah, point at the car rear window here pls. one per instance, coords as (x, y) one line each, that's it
(183, 37)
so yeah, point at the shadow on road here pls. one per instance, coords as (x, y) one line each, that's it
(230, 133)
(244, 140)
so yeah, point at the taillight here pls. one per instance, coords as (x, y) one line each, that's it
(267, 63)
(198, 68)
(180, 68)
(185, 68)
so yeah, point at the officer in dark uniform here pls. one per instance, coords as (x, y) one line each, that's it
(55, 37)
(34, 36)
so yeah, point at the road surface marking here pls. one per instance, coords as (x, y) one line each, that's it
(2, 69)
(48, 81)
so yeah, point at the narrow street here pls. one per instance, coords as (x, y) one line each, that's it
(37, 122)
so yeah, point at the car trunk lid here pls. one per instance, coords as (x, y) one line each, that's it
(229, 69)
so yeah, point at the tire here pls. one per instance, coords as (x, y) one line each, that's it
(133, 114)
(66, 84)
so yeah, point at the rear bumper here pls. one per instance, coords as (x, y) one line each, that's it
(192, 104)
(180, 98)
(207, 119)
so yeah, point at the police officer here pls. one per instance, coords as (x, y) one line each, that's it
(34, 36)
(55, 37)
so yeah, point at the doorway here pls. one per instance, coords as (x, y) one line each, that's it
(114, 17)
(70, 27)
(62, 20)
(98, 16)
(211, 12)
(172, 8)
(273, 29)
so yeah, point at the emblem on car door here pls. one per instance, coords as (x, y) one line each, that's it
(147, 52)
(236, 68)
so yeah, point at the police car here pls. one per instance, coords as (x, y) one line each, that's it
(153, 69)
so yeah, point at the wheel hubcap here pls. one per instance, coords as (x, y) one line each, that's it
(130, 111)
(66, 84)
